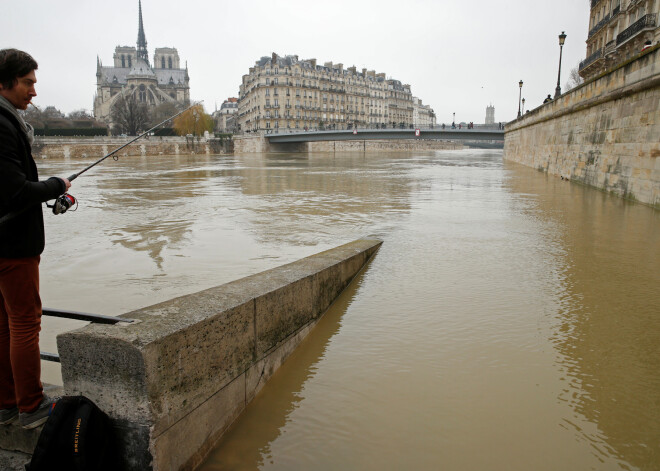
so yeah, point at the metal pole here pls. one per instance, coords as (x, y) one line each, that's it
(562, 38)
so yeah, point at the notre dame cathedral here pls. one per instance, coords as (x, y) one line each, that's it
(132, 74)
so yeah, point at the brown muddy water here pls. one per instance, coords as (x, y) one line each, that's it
(510, 321)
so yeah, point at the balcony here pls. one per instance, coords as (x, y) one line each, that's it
(646, 21)
(591, 59)
(610, 47)
(599, 26)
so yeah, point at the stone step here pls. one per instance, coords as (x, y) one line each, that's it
(13, 437)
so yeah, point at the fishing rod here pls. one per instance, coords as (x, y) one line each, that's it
(76, 175)
(66, 201)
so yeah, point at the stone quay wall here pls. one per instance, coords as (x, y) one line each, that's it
(251, 144)
(97, 147)
(175, 379)
(604, 133)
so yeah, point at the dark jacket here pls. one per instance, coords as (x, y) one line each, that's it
(20, 189)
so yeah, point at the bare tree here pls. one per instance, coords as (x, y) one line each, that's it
(164, 110)
(129, 116)
(79, 114)
(574, 79)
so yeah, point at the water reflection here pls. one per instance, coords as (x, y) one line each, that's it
(608, 328)
(296, 196)
(242, 446)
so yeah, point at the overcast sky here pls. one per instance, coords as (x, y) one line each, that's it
(457, 55)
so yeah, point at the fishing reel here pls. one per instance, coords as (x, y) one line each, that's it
(63, 203)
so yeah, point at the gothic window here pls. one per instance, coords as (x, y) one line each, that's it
(162, 62)
(123, 61)
(169, 62)
(142, 93)
(129, 61)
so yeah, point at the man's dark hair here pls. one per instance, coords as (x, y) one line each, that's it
(14, 64)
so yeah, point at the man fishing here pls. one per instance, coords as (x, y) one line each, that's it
(22, 241)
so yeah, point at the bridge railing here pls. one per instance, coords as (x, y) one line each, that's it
(374, 127)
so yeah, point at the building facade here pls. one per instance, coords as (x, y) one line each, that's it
(423, 115)
(132, 75)
(288, 93)
(618, 30)
(225, 118)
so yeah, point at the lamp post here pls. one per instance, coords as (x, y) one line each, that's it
(453, 121)
(523, 106)
(520, 84)
(562, 39)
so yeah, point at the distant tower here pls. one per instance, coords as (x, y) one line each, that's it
(490, 114)
(142, 52)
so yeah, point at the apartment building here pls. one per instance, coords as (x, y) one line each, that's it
(288, 93)
(618, 30)
(423, 115)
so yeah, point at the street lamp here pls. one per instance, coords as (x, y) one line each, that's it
(520, 84)
(523, 106)
(453, 121)
(562, 38)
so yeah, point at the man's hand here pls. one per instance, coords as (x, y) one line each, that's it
(67, 183)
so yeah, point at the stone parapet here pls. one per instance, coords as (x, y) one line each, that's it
(605, 133)
(174, 380)
(97, 147)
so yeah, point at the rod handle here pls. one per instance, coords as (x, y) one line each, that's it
(73, 177)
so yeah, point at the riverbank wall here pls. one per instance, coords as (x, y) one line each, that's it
(604, 133)
(97, 147)
(175, 379)
(253, 144)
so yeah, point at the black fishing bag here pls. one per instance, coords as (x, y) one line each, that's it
(76, 437)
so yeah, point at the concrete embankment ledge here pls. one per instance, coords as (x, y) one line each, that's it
(176, 379)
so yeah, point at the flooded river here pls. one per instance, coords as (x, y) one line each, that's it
(510, 321)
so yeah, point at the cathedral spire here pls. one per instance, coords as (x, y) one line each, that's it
(142, 52)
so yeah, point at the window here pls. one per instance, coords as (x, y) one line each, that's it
(162, 62)
(129, 61)
(169, 62)
(123, 61)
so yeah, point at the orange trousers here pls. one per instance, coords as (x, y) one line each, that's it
(20, 324)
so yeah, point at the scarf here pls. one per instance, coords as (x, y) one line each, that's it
(27, 128)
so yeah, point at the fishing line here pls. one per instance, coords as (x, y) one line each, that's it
(65, 201)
